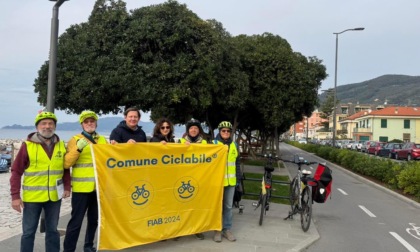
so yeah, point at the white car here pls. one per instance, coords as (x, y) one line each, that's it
(357, 145)
(349, 144)
(302, 141)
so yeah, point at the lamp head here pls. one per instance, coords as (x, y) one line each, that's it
(359, 29)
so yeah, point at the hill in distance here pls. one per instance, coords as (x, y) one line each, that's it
(401, 90)
(106, 124)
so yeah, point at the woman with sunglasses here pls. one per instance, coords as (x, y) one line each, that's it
(163, 131)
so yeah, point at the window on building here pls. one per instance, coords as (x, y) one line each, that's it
(406, 137)
(406, 124)
(367, 123)
(344, 110)
(383, 123)
(383, 139)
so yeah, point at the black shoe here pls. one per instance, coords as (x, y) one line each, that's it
(92, 249)
(199, 236)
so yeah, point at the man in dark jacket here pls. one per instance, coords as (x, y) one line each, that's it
(128, 131)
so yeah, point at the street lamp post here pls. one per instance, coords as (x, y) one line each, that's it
(335, 81)
(52, 67)
(52, 78)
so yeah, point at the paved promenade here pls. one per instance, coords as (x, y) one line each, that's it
(275, 234)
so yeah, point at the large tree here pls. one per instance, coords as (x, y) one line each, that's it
(94, 65)
(327, 106)
(165, 59)
(283, 83)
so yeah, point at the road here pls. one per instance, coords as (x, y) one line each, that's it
(359, 216)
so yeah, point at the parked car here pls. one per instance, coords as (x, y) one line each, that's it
(338, 143)
(357, 145)
(409, 151)
(344, 144)
(7, 157)
(365, 146)
(375, 147)
(348, 144)
(4, 166)
(389, 150)
(302, 141)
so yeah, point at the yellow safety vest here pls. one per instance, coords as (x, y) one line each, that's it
(183, 140)
(83, 175)
(40, 180)
(230, 173)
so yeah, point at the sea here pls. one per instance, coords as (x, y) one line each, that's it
(21, 134)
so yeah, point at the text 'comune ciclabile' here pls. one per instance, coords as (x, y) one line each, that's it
(164, 160)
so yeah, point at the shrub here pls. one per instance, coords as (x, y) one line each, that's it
(409, 179)
(405, 176)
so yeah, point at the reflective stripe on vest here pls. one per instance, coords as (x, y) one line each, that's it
(230, 172)
(83, 174)
(183, 140)
(39, 182)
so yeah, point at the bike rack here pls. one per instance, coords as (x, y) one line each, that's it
(273, 182)
(260, 180)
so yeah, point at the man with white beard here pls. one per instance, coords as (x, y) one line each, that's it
(40, 161)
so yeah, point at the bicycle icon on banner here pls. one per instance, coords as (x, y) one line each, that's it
(186, 187)
(414, 231)
(140, 192)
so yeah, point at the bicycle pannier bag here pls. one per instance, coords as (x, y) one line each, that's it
(319, 193)
(324, 180)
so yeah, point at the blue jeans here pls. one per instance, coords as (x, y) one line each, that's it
(31, 214)
(228, 194)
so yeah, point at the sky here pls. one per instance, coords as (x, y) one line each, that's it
(388, 45)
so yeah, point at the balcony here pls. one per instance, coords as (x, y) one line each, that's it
(342, 132)
(362, 130)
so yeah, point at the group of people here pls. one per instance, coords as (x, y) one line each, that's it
(44, 162)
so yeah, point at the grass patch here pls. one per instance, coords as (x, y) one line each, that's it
(256, 162)
(260, 162)
(255, 187)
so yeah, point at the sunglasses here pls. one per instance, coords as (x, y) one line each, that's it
(165, 127)
(225, 131)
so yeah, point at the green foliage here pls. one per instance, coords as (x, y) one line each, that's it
(405, 176)
(409, 178)
(163, 58)
(256, 162)
(396, 141)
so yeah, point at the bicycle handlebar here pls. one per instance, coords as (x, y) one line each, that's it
(268, 156)
(299, 161)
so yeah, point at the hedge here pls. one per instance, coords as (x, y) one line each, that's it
(401, 175)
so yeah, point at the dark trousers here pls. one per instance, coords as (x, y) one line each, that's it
(80, 203)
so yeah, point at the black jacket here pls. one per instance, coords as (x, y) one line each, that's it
(122, 133)
(160, 137)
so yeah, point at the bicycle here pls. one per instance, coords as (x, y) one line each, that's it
(266, 187)
(301, 193)
(414, 231)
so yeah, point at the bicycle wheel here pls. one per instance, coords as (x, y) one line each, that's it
(263, 201)
(306, 211)
(294, 195)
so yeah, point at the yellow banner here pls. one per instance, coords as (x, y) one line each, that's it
(150, 191)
